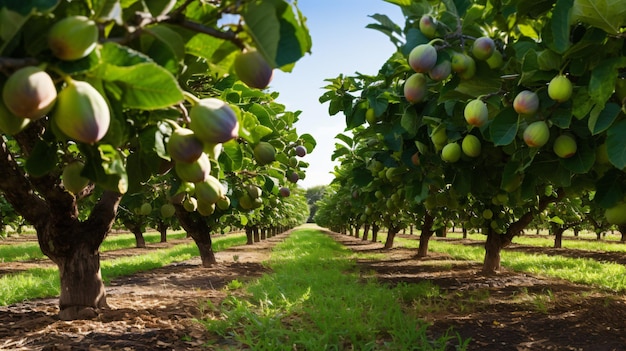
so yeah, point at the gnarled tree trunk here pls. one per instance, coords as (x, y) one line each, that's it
(196, 227)
(425, 235)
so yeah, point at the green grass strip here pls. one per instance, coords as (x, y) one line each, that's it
(315, 300)
(31, 250)
(44, 282)
(604, 275)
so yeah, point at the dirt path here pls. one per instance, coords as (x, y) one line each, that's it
(155, 310)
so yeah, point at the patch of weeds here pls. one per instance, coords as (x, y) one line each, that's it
(234, 285)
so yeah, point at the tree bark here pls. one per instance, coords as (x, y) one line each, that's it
(196, 226)
(494, 244)
(375, 228)
(162, 228)
(366, 229)
(391, 234)
(622, 230)
(558, 230)
(249, 238)
(255, 232)
(425, 235)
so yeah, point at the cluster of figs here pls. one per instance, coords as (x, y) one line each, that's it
(430, 63)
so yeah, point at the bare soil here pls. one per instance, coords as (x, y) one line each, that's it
(158, 310)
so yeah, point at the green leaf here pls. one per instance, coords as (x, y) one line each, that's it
(609, 189)
(309, 142)
(608, 15)
(603, 79)
(105, 166)
(560, 25)
(582, 161)
(233, 156)
(557, 220)
(503, 128)
(259, 131)
(346, 139)
(561, 117)
(145, 86)
(166, 47)
(616, 144)
(42, 159)
(410, 121)
(599, 121)
(28, 7)
(400, 2)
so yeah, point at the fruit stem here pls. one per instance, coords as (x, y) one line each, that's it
(436, 40)
(192, 99)
(172, 123)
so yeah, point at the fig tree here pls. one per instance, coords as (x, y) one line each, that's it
(476, 113)
(428, 26)
(11, 124)
(73, 38)
(526, 102)
(617, 214)
(483, 48)
(415, 88)
(194, 172)
(71, 178)
(471, 146)
(451, 152)
(264, 153)
(167, 210)
(423, 58)
(560, 88)
(29, 93)
(565, 146)
(213, 121)
(536, 134)
(210, 190)
(81, 112)
(252, 69)
(184, 146)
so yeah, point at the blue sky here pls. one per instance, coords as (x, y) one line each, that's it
(341, 44)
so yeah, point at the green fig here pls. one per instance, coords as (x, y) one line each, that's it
(415, 88)
(194, 172)
(536, 134)
(423, 58)
(560, 88)
(73, 38)
(11, 124)
(252, 68)
(29, 93)
(167, 210)
(264, 153)
(184, 146)
(81, 112)
(71, 178)
(213, 121)
(210, 190)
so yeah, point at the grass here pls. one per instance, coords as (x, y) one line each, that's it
(44, 282)
(31, 250)
(315, 300)
(604, 275)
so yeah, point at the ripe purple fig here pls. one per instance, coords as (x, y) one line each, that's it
(560, 88)
(471, 146)
(194, 172)
(293, 177)
(73, 38)
(451, 152)
(284, 191)
(264, 153)
(476, 113)
(71, 178)
(415, 88)
(184, 146)
(526, 102)
(210, 190)
(81, 112)
(428, 26)
(300, 151)
(565, 146)
(483, 48)
(423, 58)
(252, 68)
(536, 134)
(441, 71)
(213, 121)
(11, 124)
(29, 93)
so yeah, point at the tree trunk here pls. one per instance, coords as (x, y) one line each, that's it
(135, 227)
(425, 235)
(622, 230)
(357, 230)
(249, 238)
(464, 229)
(375, 228)
(366, 229)
(264, 233)
(139, 239)
(493, 246)
(391, 234)
(198, 229)
(411, 230)
(255, 232)
(162, 228)
(558, 235)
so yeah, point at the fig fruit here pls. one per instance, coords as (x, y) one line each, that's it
(565, 146)
(29, 93)
(11, 124)
(616, 214)
(441, 71)
(145, 209)
(451, 152)
(560, 88)
(415, 88)
(73, 38)
(487, 214)
(300, 151)
(71, 178)
(483, 48)
(536, 134)
(463, 65)
(81, 112)
(476, 113)
(223, 203)
(167, 210)
(213, 121)
(471, 146)
(190, 204)
(252, 69)
(284, 191)
(205, 208)
(264, 153)
(370, 116)
(495, 61)
(245, 202)
(423, 58)
(293, 177)
(526, 102)
(428, 26)
(254, 191)
(194, 172)
(184, 146)
(210, 190)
